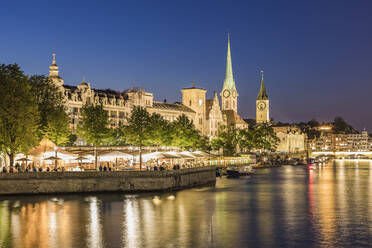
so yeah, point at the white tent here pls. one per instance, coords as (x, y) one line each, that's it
(111, 156)
(158, 155)
(181, 155)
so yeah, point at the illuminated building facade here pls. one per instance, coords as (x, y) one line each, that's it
(262, 105)
(291, 139)
(206, 114)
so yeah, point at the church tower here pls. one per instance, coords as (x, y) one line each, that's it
(229, 95)
(53, 72)
(262, 105)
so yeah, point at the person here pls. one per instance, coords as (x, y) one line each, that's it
(105, 168)
(110, 169)
(100, 167)
(48, 169)
(155, 168)
(26, 170)
(5, 170)
(63, 169)
(11, 169)
(40, 169)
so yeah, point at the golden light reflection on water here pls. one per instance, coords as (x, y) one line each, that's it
(94, 227)
(326, 205)
(281, 207)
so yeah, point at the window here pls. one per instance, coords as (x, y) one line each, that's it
(200, 121)
(190, 103)
(227, 104)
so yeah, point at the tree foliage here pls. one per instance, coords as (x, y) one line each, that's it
(94, 127)
(19, 114)
(50, 103)
(57, 126)
(341, 126)
(160, 131)
(228, 137)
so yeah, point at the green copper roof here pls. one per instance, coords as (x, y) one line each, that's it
(262, 95)
(229, 82)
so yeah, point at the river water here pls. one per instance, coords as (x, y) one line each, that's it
(330, 206)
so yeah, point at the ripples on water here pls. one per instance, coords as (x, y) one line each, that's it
(282, 207)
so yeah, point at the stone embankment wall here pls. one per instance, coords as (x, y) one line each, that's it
(107, 181)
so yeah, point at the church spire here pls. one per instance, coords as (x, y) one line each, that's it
(229, 82)
(262, 94)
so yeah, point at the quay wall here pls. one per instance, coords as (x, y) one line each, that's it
(106, 181)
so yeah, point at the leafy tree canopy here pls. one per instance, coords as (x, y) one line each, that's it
(94, 127)
(340, 126)
(19, 114)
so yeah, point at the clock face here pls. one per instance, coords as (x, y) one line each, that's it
(234, 93)
(200, 102)
(261, 106)
(226, 93)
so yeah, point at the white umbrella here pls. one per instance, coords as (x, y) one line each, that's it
(158, 155)
(189, 154)
(180, 155)
(203, 154)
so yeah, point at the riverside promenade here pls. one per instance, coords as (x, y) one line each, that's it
(106, 181)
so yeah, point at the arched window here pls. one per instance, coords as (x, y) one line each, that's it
(190, 103)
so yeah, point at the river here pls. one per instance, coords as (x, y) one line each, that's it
(288, 206)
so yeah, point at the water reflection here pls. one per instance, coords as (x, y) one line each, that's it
(330, 206)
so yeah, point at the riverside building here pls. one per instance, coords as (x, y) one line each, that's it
(206, 114)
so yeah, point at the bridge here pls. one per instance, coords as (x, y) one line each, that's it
(342, 154)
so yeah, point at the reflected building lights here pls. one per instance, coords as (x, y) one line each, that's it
(131, 234)
(94, 228)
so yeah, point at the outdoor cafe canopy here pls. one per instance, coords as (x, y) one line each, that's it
(113, 155)
(159, 155)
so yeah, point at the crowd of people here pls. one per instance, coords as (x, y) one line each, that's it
(150, 166)
(29, 168)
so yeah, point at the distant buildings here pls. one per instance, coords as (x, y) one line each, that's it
(329, 141)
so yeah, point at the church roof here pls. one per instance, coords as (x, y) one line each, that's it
(262, 95)
(172, 106)
(233, 118)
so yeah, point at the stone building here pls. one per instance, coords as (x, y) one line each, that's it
(206, 114)
(291, 139)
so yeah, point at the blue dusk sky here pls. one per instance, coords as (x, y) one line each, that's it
(317, 55)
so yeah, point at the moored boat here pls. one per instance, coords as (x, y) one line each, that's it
(238, 171)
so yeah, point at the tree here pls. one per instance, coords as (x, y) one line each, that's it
(265, 138)
(50, 100)
(340, 126)
(229, 138)
(57, 127)
(19, 114)
(160, 131)
(94, 127)
(247, 139)
(216, 144)
(204, 144)
(184, 132)
(138, 129)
